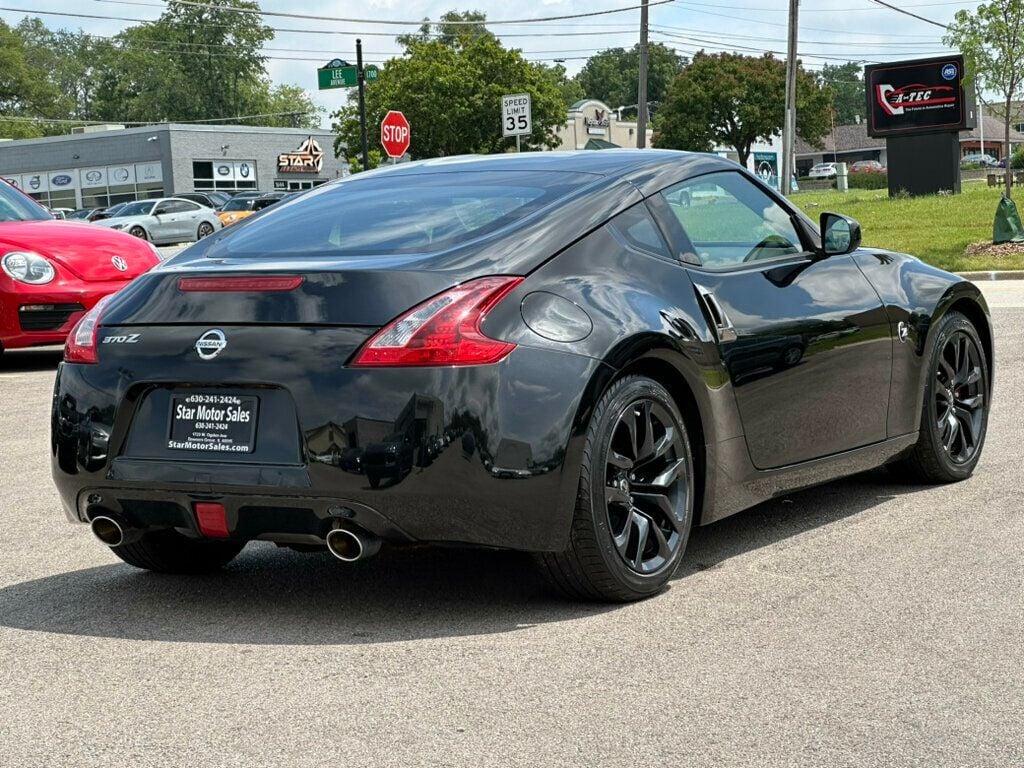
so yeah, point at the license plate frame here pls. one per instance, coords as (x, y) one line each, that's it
(212, 423)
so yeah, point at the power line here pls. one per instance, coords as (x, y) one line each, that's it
(67, 121)
(908, 13)
(416, 23)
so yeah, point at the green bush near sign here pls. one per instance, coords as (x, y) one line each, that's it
(868, 180)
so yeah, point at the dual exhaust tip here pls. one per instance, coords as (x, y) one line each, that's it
(346, 544)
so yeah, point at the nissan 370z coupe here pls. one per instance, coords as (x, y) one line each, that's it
(579, 355)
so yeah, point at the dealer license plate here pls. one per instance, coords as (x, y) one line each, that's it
(213, 423)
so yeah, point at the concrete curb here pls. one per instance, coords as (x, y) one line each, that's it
(994, 274)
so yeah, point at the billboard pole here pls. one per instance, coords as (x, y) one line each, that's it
(789, 126)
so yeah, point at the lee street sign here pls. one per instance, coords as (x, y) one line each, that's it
(516, 115)
(344, 76)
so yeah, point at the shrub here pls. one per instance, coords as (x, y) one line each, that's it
(1017, 159)
(869, 180)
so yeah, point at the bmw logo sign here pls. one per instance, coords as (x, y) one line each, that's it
(211, 343)
(949, 72)
(243, 170)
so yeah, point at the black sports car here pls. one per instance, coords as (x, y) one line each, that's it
(580, 355)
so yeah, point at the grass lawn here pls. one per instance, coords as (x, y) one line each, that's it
(936, 229)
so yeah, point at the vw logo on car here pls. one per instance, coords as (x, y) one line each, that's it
(211, 344)
(120, 264)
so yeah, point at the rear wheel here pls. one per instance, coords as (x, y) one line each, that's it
(634, 508)
(205, 230)
(167, 551)
(138, 232)
(954, 416)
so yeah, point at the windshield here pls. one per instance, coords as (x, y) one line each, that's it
(140, 208)
(14, 206)
(81, 213)
(238, 205)
(401, 214)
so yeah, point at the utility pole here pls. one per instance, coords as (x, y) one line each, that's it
(361, 80)
(789, 127)
(641, 98)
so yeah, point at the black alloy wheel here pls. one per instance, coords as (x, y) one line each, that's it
(138, 232)
(205, 230)
(959, 397)
(635, 503)
(954, 416)
(644, 496)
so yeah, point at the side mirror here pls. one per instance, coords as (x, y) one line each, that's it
(839, 234)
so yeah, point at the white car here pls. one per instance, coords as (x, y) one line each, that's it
(164, 221)
(823, 171)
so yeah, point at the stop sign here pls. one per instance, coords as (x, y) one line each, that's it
(395, 134)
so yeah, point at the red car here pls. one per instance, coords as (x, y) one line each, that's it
(52, 272)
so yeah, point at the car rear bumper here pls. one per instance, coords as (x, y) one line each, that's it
(505, 475)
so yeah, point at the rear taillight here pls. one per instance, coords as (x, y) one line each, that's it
(273, 284)
(80, 346)
(444, 330)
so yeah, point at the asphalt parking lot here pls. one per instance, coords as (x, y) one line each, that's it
(863, 623)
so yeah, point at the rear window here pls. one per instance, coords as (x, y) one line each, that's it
(400, 213)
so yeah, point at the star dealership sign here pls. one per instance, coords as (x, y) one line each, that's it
(308, 158)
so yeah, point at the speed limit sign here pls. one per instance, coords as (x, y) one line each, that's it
(516, 115)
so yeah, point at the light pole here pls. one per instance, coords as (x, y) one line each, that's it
(789, 126)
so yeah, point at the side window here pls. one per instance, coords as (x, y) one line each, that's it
(163, 208)
(637, 229)
(730, 221)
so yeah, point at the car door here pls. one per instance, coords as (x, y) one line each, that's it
(189, 215)
(805, 340)
(163, 227)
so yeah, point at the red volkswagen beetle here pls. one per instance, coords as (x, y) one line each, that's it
(52, 271)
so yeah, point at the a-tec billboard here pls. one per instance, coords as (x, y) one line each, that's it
(919, 96)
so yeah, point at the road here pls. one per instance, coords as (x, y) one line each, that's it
(863, 623)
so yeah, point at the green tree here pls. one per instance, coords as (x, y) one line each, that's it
(991, 38)
(450, 90)
(846, 81)
(24, 91)
(727, 99)
(612, 76)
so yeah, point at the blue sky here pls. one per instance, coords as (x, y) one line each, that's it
(830, 30)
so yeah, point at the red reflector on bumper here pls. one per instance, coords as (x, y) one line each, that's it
(239, 284)
(212, 519)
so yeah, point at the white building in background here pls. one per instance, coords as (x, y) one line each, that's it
(592, 124)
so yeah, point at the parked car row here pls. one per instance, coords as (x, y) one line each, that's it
(830, 170)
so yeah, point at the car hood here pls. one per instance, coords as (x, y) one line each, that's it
(83, 250)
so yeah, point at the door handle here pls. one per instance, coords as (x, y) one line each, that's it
(724, 329)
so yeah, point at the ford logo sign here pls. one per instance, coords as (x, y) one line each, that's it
(949, 72)
(61, 181)
(211, 343)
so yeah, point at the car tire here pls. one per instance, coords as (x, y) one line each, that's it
(954, 414)
(167, 551)
(373, 480)
(138, 232)
(629, 531)
(205, 230)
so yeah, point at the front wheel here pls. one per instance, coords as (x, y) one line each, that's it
(634, 506)
(138, 232)
(954, 415)
(205, 230)
(167, 551)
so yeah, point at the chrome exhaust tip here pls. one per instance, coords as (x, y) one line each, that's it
(351, 545)
(107, 530)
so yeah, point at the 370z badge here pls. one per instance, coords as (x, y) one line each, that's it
(211, 344)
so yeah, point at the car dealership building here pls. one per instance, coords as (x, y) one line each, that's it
(109, 164)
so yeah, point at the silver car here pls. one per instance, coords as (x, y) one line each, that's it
(164, 221)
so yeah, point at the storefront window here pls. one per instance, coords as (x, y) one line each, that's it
(223, 175)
